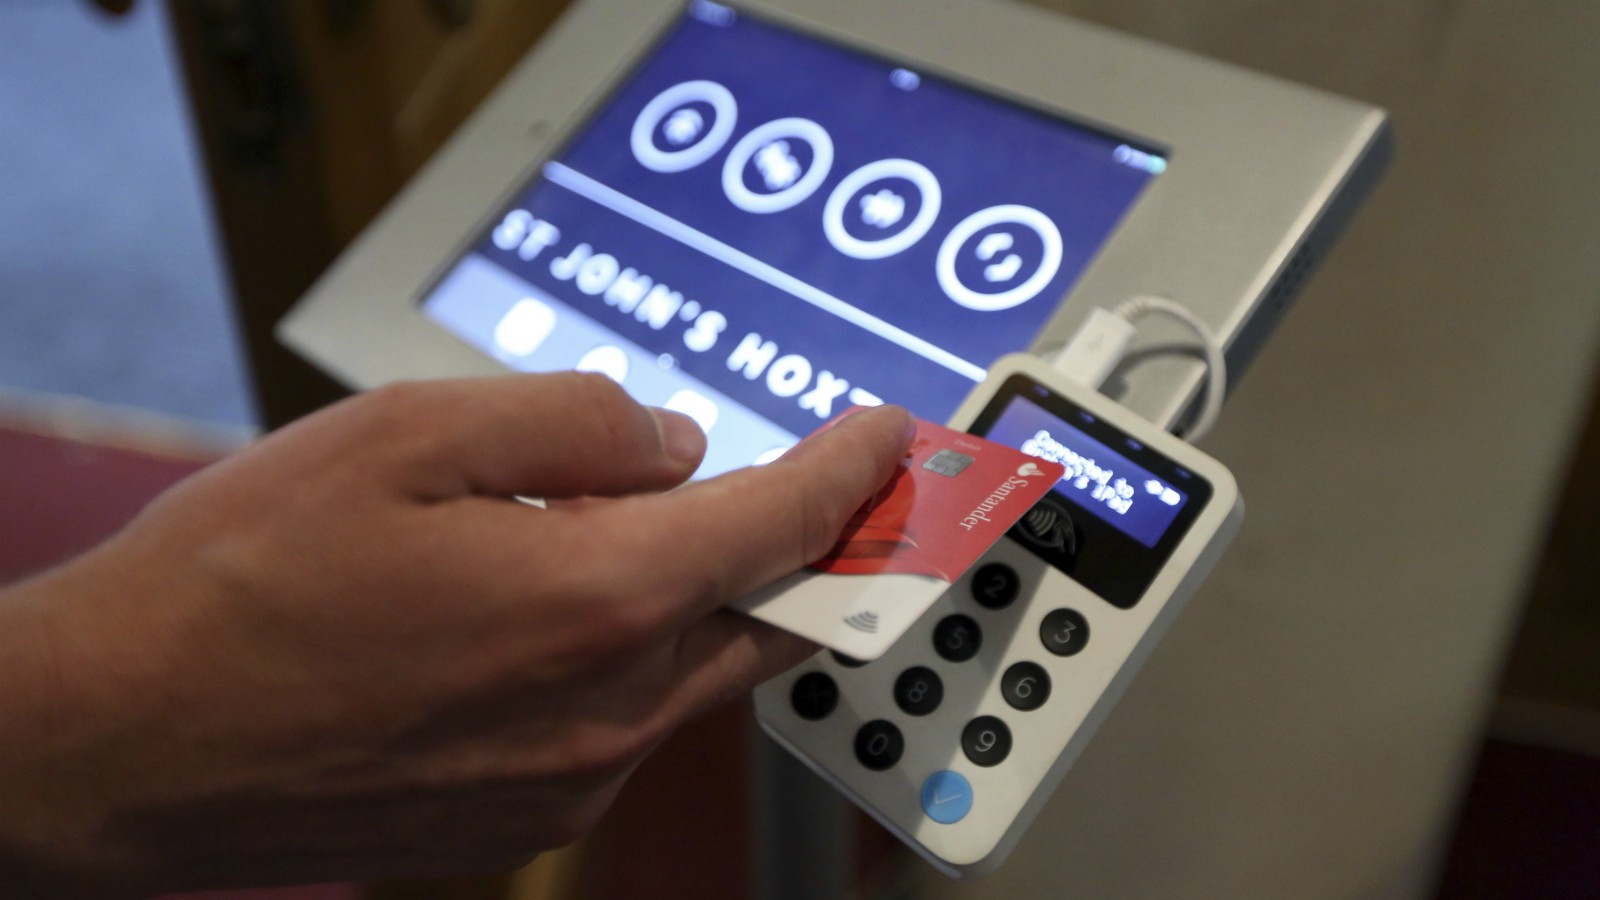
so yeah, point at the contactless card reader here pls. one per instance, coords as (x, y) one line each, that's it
(956, 737)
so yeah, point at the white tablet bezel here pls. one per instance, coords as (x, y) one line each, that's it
(1261, 174)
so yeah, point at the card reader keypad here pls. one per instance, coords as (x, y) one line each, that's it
(1025, 685)
(814, 696)
(1064, 632)
(976, 691)
(986, 741)
(957, 734)
(957, 638)
(995, 585)
(879, 745)
(918, 691)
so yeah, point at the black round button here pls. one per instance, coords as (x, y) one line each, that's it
(1064, 631)
(1025, 686)
(814, 695)
(986, 741)
(918, 690)
(995, 585)
(956, 638)
(849, 662)
(879, 744)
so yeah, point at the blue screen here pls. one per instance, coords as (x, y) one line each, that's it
(762, 229)
(1100, 480)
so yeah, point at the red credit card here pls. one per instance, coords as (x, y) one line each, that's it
(953, 497)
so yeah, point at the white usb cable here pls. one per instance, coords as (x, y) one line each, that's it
(1103, 339)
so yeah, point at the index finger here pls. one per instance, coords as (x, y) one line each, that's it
(712, 542)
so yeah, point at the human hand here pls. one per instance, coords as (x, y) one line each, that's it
(345, 652)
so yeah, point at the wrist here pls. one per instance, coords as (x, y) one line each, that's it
(62, 721)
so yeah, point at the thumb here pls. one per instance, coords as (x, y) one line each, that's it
(558, 435)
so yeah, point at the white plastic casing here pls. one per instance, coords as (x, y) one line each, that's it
(1084, 686)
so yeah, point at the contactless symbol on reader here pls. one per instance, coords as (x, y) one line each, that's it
(1047, 525)
(866, 621)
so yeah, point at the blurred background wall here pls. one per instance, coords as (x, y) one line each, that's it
(111, 283)
(1308, 724)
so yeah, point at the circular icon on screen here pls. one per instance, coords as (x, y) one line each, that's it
(777, 165)
(999, 257)
(606, 359)
(881, 208)
(683, 126)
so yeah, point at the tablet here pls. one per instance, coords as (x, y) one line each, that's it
(762, 213)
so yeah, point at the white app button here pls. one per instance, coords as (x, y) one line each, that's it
(696, 406)
(882, 209)
(771, 455)
(606, 359)
(524, 327)
(1002, 265)
(684, 126)
(771, 149)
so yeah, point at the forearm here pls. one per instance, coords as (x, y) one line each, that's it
(339, 654)
(59, 727)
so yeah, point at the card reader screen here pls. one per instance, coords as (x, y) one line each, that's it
(760, 228)
(1121, 508)
(1099, 479)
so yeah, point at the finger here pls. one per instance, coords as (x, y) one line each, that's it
(567, 434)
(725, 655)
(575, 503)
(703, 545)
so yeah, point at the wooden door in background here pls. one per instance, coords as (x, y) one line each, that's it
(312, 114)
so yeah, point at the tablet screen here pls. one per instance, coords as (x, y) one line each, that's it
(760, 229)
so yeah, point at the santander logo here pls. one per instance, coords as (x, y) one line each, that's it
(980, 513)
